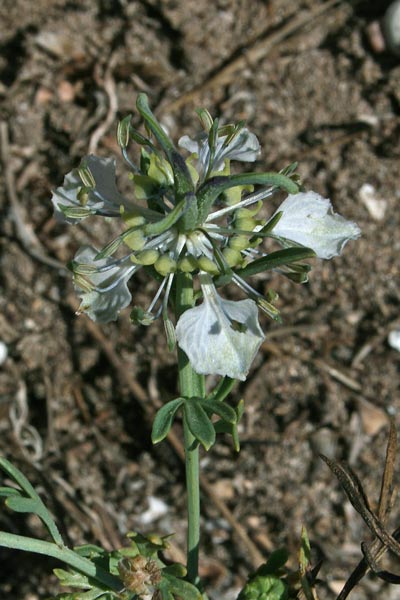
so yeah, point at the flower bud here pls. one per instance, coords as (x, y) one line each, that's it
(146, 257)
(239, 242)
(188, 264)
(165, 265)
(135, 240)
(207, 265)
(232, 257)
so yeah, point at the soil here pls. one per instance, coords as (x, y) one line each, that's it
(76, 399)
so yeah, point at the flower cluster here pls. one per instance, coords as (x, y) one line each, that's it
(193, 216)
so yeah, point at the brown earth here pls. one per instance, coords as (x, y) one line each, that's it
(75, 398)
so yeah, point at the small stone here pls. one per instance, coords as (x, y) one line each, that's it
(374, 205)
(394, 339)
(391, 27)
(3, 353)
(157, 509)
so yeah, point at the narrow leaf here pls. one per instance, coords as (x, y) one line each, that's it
(275, 259)
(9, 491)
(215, 186)
(221, 391)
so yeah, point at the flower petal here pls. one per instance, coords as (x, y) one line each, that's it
(104, 291)
(244, 147)
(68, 208)
(220, 337)
(308, 219)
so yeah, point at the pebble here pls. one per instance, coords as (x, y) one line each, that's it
(394, 339)
(374, 205)
(391, 27)
(3, 352)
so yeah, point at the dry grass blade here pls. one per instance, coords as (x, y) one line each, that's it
(353, 488)
(387, 494)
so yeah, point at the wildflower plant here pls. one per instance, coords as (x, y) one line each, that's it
(195, 227)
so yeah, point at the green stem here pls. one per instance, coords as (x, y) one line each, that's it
(67, 556)
(191, 384)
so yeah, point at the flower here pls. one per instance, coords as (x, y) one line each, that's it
(241, 145)
(102, 285)
(192, 216)
(80, 197)
(308, 219)
(220, 336)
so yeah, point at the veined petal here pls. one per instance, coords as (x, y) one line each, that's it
(308, 219)
(244, 147)
(104, 196)
(220, 337)
(104, 291)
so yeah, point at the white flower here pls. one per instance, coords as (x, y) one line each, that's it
(102, 284)
(74, 201)
(244, 147)
(220, 337)
(308, 219)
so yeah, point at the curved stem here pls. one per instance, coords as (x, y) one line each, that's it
(191, 384)
(67, 556)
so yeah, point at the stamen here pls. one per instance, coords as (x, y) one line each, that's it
(251, 199)
(158, 294)
(117, 281)
(129, 161)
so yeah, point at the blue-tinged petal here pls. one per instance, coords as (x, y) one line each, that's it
(308, 219)
(101, 284)
(220, 337)
(244, 147)
(73, 201)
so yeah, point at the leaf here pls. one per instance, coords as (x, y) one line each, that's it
(23, 505)
(226, 412)
(9, 491)
(223, 388)
(182, 588)
(33, 502)
(266, 587)
(276, 259)
(164, 419)
(72, 579)
(215, 186)
(275, 562)
(182, 179)
(199, 423)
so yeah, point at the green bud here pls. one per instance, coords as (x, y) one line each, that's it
(140, 316)
(165, 265)
(239, 242)
(232, 257)
(132, 219)
(207, 265)
(135, 240)
(242, 213)
(146, 257)
(245, 224)
(187, 264)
